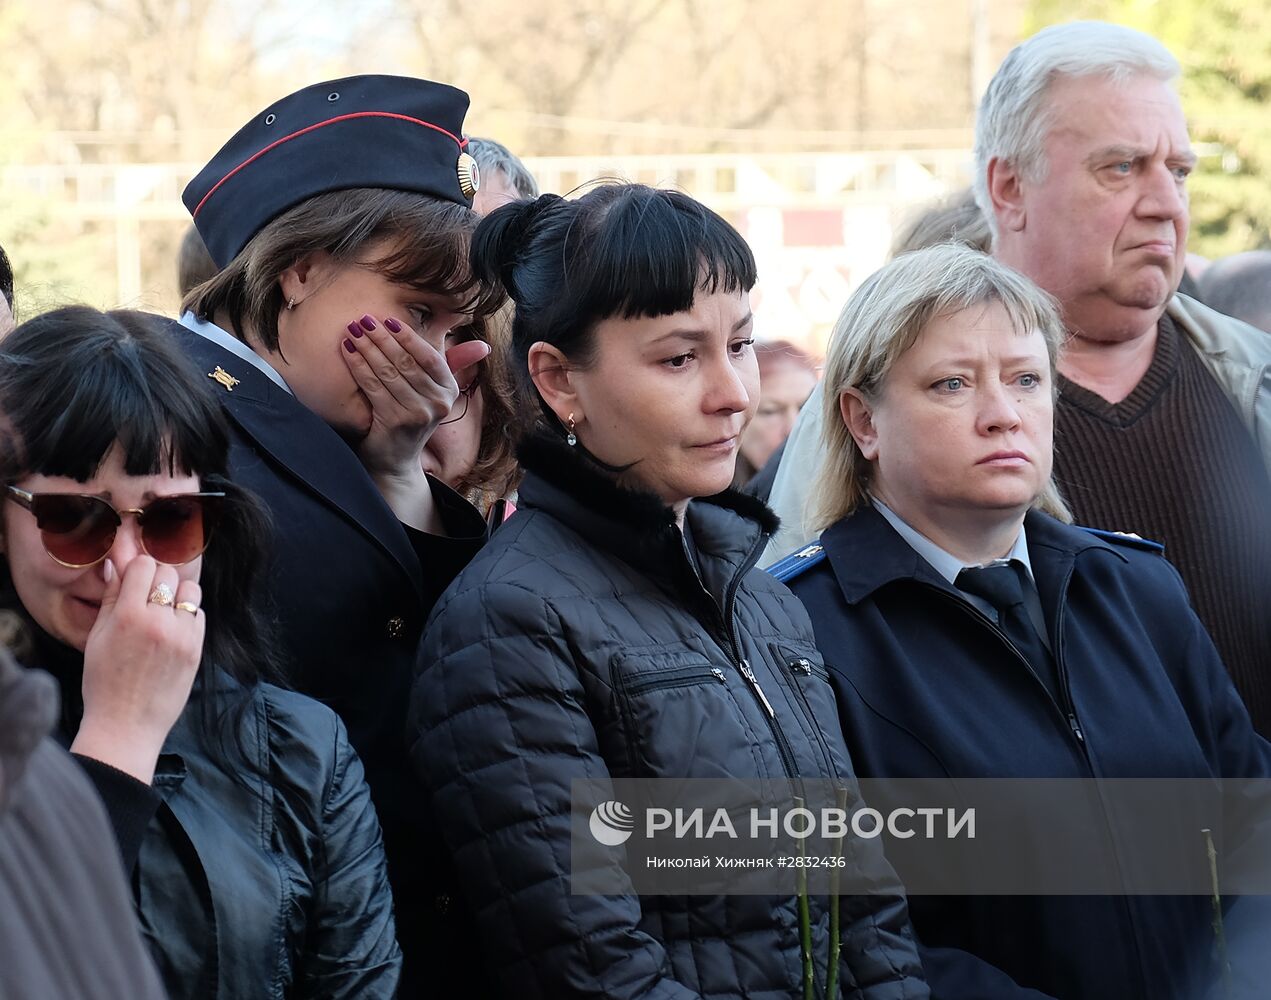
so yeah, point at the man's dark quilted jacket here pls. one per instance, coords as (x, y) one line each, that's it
(518, 693)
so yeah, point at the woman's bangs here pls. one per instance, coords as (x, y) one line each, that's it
(651, 257)
(438, 263)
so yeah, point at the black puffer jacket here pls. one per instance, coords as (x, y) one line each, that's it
(519, 693)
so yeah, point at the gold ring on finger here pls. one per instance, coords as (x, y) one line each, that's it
(162, 595)
(189, 606)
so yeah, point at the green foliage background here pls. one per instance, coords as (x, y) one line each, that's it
(1224, 47)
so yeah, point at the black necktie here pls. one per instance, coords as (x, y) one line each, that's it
(1002, 587)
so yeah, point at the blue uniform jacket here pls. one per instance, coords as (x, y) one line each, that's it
(927, 687)
(350, 587)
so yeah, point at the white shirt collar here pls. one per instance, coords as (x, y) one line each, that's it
(210, 331)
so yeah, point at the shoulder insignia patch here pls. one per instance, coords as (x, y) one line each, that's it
(796, 562)
(1126, 538)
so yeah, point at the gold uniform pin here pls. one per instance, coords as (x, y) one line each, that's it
(224, 378)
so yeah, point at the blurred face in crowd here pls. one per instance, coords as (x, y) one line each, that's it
(671, 395)
(64, 601)
(1105, 229)
(454, 447)
(495, 191)
(960, 432)
(782, 393)
(329, 295)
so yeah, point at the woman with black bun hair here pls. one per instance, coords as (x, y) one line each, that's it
(129, 569)
(615, 626)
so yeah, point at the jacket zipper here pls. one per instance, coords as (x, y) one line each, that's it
(1062, 669)
(1076, 728)
(802, 665)
(753, 681)
(729, 621)
(676, 678)
(1067, 711)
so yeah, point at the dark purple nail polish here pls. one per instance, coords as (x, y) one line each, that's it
(368, 322)
(354, 329)
(350, 346)
(393, 325)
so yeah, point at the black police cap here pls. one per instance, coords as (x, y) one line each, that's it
(362, 131)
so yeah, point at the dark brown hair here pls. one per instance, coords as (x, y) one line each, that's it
(496, 472)
(194, 264)
(622, 250)
(74, 382)
(429, 242)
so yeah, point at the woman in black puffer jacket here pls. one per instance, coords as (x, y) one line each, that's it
(615, 627)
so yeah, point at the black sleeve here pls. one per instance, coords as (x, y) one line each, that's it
(441, 557)
(498, 730)
(130, 804)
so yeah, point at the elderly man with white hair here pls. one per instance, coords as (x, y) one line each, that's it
(1163, 425)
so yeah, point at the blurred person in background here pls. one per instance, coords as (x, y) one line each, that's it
(1163, 425)
(340, 218)
(628, 560)
(956, 218)
(1240, 286)
(67, 926)
(194, 263)
(132, 563)
(473, 451)
(787, 376)
(504, 177)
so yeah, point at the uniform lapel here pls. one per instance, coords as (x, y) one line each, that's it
(866, 554)
(1053, 548)
(303, 444)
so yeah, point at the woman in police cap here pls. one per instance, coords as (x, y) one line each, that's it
(340, 217)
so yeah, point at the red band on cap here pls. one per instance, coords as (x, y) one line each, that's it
(330, 121)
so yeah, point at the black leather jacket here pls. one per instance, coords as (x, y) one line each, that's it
(256, 854)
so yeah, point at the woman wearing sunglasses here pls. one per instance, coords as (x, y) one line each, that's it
(131, 561)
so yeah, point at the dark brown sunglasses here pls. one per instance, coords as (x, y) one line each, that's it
(78, 529)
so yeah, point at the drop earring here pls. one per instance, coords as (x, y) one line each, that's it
(571, 438)
(291, 302)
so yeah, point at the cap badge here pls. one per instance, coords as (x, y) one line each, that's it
(224, 378)
(469, 175)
